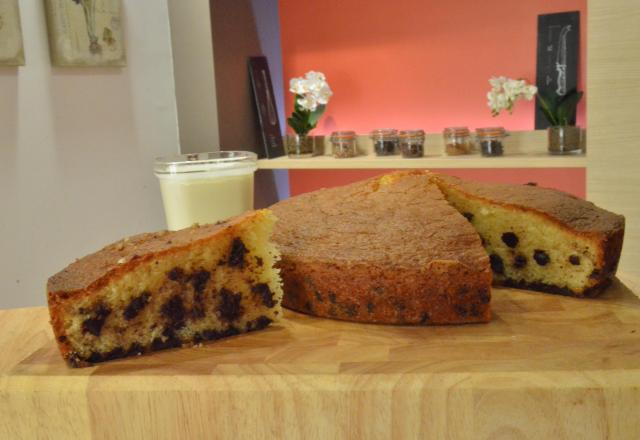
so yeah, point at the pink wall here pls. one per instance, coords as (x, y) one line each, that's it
(416, 63)
(570, 180)
(419, 64)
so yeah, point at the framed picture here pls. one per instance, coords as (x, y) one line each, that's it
(85, 33)
(557, 61)
(11, 49)
(266, 107)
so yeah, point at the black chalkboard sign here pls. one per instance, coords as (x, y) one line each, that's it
(266, 107)
(557, 63)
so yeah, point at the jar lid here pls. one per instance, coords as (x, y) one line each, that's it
(411, 133)
(205, 162)
(490, 131)
(379, 133)
(343, 135)
(456, 131)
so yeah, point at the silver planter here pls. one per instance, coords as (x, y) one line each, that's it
(565, 139)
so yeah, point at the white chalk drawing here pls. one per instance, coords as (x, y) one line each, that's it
(561, 61)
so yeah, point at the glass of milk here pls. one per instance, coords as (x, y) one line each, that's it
(205, 187)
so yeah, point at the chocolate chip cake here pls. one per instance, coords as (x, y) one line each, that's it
(385, 250)
(539, 238)
(167, 289)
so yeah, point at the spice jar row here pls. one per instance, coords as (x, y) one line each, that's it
(489, 141)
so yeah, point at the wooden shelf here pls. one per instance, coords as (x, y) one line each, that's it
(520, 160)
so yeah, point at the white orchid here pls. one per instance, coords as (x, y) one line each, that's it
(312, 95)
(313, 90)
(506, 91)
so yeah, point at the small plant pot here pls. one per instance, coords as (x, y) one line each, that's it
(299, 146)
(564, 139)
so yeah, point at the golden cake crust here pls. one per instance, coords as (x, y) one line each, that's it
(572, 212)
(388, 250)
(97, 269)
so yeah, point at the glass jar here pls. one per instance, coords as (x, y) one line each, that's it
(385, 141)
(344, 144)
(411, 143)
(564, 139)
(457, 141)
(491, 141)
(299, 145)
(205, 187)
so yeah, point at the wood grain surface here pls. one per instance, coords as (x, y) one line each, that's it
(545, 367)
(613, 96)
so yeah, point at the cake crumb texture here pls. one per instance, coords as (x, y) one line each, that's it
(167, 289)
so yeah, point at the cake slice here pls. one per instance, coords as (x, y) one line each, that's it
(385, 250)
(539, 238)
(167, 289)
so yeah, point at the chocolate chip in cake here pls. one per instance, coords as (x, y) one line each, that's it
(62, 338)
(259, 262)
(575, 260)
(229, 307)
(170, 342)
(474, 310)
(370, 307)
(463, 290)
(424, 318)
(318, 295)
(399, 305)
(199, 280)
(519, 261)
(468, 216)
(496, 263)
(174, 311)
(262, 322)
(237, 253)
(116, 353)
(135, 349)
(94, 357)
(484, 296)
(332, 297)
(461, 310)
(94, 324)
(136, 305)
(197, 311)
(264, 292)
(258, 323)
(541, 257)
(351, 310)
(510, 239)
(308, 307)
(175, 274)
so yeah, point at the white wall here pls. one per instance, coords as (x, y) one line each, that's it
(194, 75)
(76, 150)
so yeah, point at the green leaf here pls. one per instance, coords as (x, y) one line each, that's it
(315, 115)
(548, 109)
(568, 106)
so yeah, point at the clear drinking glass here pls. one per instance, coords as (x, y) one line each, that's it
(205, 187)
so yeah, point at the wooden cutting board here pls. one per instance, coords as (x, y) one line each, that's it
(546, 367)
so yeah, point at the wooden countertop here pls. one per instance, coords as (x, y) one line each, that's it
(546, 367)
